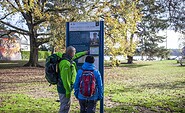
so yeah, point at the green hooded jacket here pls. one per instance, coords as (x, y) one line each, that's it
(68, 71)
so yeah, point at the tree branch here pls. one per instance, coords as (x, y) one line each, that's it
(41, 41)
(39, 34)
(12, 5)
(51, 10)
(18, 4)
(42, 5)
(26, 16)
(40, 21)
(23, 33)
(8, 32)
(19, 29)
(6, 15)
(55, 9)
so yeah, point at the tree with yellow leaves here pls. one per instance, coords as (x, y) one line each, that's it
(121, 18)
(39, 17)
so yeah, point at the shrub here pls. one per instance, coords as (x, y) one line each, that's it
(25, 55)
(41, 54)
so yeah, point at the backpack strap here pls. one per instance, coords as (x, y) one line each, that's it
(64, 57)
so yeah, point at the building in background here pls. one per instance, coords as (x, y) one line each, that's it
(25, 42)
(10, 46)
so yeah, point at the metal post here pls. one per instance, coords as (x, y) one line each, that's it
(102, 62)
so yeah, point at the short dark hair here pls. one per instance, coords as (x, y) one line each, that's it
(89, 59)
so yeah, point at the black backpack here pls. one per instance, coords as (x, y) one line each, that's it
(51, 68)
(51, 71)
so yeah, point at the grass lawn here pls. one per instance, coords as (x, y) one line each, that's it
(144, 87)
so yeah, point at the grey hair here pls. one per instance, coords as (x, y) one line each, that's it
(70, 49)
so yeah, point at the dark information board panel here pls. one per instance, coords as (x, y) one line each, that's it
(79, 38)
(88, 36)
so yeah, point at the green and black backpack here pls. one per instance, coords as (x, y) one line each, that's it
(51, 69)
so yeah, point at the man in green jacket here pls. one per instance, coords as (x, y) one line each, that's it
(67, 69)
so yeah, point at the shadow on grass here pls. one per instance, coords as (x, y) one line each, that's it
(119, 109)
(14, 64)
(19, 82)
(169, 107)
(167, 85)
(128, 109)
(127, 65)
(127, 89)
(28, 110)
(11, 64)
(180, 65)
(134, 65)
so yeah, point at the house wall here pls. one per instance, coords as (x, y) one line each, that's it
(25, 42)
(10, 49)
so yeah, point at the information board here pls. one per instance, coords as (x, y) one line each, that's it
(88, 36)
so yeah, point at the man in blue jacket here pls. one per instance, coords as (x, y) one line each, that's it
(88, 104)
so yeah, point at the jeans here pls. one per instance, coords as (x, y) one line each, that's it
(64, 103)
(87, 106)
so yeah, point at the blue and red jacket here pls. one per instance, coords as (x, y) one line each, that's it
(99, 86)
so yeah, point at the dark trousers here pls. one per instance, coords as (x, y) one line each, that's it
(64, 103)
(87, 106)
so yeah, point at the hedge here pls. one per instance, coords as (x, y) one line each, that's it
(41, 54)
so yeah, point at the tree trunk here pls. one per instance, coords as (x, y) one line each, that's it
(130, 59)
(53, 50)
(33, 59)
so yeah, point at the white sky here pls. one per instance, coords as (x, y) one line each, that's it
(172, 39)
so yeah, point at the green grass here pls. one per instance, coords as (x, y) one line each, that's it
(155, 86)
(20, 103)
(152, 86)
